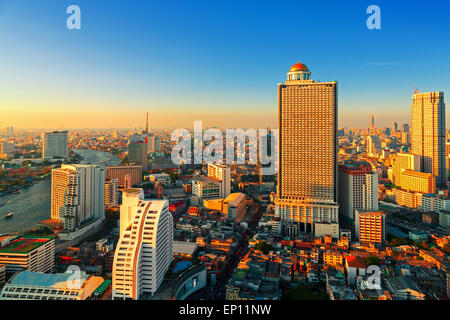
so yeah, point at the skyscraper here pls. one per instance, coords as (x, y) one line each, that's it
(307, 175)
(145, 248)
(372, 124)
(137, 153)
(55, 145)
(428, 133)
(78, 194)
(111, 192)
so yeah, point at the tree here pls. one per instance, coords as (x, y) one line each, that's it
(372, 260)
(264, 247)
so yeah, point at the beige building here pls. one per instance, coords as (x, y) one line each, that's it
(404, 161)
(307, 175)
(223, 173)
(111, 192)
(418, 181)
(410, 199)
(428, 133)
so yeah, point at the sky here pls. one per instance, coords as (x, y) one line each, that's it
(215, 61)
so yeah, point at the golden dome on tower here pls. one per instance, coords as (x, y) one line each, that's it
(298, 67)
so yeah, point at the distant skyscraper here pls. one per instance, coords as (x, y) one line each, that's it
(394, 127)
(78, 194)
(405, 127)
(137, 153)
(307, 174)
(428, 133)
(373, 146)
(55, 145)
(145, 248)
(372, 124)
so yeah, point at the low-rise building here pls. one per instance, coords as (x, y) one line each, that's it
(29, 285)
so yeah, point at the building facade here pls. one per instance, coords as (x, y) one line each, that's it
(78, 194)
(145, 248)
(111, 192)
(358, 188)
(371, 227)
(120, 172)
(307, 175)
(55, 144)
(428, 133)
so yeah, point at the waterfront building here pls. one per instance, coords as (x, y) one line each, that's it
(55, 145)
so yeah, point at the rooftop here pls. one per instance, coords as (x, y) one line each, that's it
(65, 280)
(23, 245)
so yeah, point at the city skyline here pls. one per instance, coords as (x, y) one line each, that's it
(133, 59)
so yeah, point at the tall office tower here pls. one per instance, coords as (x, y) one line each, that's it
(394, 127)
(55, 145)
(372, 124)
(156, 144)
(223, 173)
(373, 146)
(371, 227)
(428, 133)
(358, 188)
(9, 131)
(137, 153)
(120, 172)
(111, 192)
(78, 194)
(404, 161)
(145, 248)
(405, 127)
(307, 174)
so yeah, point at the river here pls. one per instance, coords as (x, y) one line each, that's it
(32, 204)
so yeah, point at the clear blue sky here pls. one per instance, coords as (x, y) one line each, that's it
(214, 58)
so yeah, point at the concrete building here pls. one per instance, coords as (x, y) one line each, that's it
(410, 199)
(55, 145)
(160, 178)
(358, 188)
(404, 161)
(120, 172)
(111, 192)
(373, 146)
(137, 153)
(2, 275)
(29, 285)
(78, 195)
(307, 174)
(207, 188)
(235, 206)
(222, 173)
(32, 253)
(428, 133)
(417, 181)
(370, 227)
(145, 248)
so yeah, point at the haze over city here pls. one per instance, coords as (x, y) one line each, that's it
(207, 61)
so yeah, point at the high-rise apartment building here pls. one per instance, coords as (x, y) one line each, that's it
(223, 173)
(78, 194)
(358, 188)
(372, 124)
(417, 181)
(145, 248)
(428, 133)
(55, 145)
(111, 192)
(371, 227)
(307, 174)
(137, 153)
(373, 146)
(404, 161)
